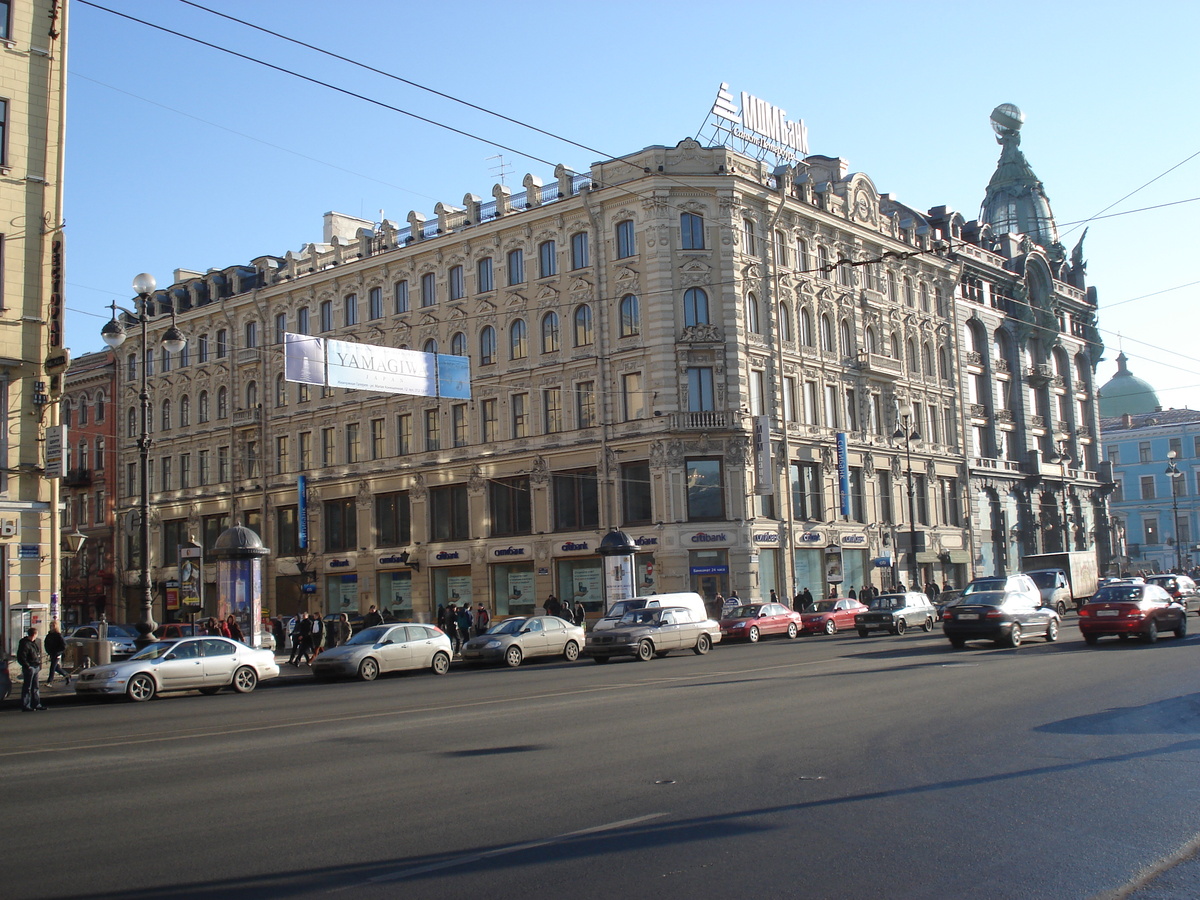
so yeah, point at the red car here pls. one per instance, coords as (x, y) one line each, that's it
(755, 620)
(1126, 609)
(829, 615)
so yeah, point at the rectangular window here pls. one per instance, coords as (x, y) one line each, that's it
(516, 267)
(636, 507)
(185, 470)
(832, 414)
(790, 409)
(98, 510)
(4, 126)
(456, 283)
(166, 473)
(400, 297)
(353, 442)
(484, 276)
(280, 327)
(281, 455)
(350, 310)
(511, 506)
(921, 487)
(222, 345)
(585, 404)
(252, 459)
(223, 465)
(250, 340)
(1147, 487)
(378, 446)
(626, 243)
(433, 430)
(757, 388)
(1118, 494)
(404, 434)
(205, 467)
(1173, 444)
(633, 398)
(306, 451)
(458, 424)
(948, 500)
(547, 259)
(131, 479)
(851, 412)
(325, 311)
(428, 289)
(341, 525)
(1144, 452)
(807, 496)
(705, 494)
(576, 500)
(5, 20)
(886, 513)
(327, 446)
(700, 389)
(857, 504)
(287, 532)
(1151, 526)
(303, 325)
(520, 415)
(174, 533)
(579, 250)
(552, 408)
(488, 420)
(1114, 455)
(448, 512)
(691, 231)
(375, 303)
(393, 526)
(812, 406)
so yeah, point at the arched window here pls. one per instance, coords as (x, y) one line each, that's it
(631, 316)
(458, 344)
(280, 391)
(822, 262)
(185, 411)
(872, 345)
(913, 362)
(65, 413)
(695, 307)
(827, 334)
(910, 298)
(99, 407)
(924, 297)
(431, 346)
(801, 254)
(583, 325)
(806, 328)
(846, 347)
(487, 345)
(131, 423)
(943, 364)
(748, 236)
(785, 323)
(222, 403)
(895, 341)
(252, 395)
(752, 325)
(202, 412)
(518, 340)
(927, 359)
(166, 415)
(550, 336)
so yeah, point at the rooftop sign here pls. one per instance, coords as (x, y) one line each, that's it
(761, 124)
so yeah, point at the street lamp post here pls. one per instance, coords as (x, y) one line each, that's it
(1063, 458)
(909, 434)
(173, 341)
(1173, 474)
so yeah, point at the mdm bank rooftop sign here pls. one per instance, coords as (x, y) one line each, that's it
(365, 367)
(762, 124)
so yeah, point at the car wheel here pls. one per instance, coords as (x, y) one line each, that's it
(601, 659)
(792, 630)
(571, 651)
(1052, 631)
(1181, 631)
(753, 636)
(928, 626)
(1014, 636)
(1060, 608)
(513, 656)
(1093, 638)
(141, 688)
(1151, 633)
(245, 680)
(862, 632)
(958, 643)
(440, 664)
(368, 669)
(900, 627)
(831, 627)
(645, 651)
(210, 690)
(703, 645)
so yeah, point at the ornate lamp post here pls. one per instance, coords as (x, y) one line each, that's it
(1063, 458)
(173, 341)
(905, 431)
(1173, 476)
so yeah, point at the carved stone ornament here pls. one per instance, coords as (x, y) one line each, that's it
(707, 332)
(827, 461)
(364, 498)
(931, 469)
(737, 450)
(868, 465)
(897, 466)
(419, 490)
(540, 473)
(658, 454)
(476, 483)
(675, 454)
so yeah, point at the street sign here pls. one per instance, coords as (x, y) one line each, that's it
(29, 551)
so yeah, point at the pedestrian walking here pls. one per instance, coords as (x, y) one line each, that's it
(553, 606)
(580, 613)
(482, 619)
(55, 645)
(806, 599)
(316, 637)
(29, 658)
(234, 629)
(449, 625)
(464, 623)
(347, 630)
(774, 596)
(299, 630)
(372, 618)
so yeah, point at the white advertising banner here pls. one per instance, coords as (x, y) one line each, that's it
(366, 367)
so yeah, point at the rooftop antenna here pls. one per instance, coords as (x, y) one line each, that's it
(501, 168)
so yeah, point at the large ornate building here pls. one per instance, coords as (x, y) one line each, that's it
(756, 372)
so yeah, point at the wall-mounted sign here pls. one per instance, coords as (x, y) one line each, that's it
(575, 547)
(853, 540)
(367, 367)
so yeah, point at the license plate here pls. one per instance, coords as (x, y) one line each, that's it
(969, 616)
(1108, 612)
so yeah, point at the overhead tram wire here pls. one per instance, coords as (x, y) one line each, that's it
(1075, 225)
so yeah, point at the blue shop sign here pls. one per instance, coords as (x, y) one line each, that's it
(709, 570)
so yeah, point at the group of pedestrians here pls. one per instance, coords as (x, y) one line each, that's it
(565, 609)
(227, 627)
(311, 634)
(461, 623)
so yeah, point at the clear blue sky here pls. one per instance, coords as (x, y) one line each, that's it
(182, 156)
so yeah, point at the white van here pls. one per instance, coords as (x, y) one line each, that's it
(687, 599)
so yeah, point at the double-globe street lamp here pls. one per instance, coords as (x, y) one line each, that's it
(1173, 476)
(906, 432)
(173, 341)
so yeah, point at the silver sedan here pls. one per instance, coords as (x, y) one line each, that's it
(206, 664)
(525, 636)
(386, 648)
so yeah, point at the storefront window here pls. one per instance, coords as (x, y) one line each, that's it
(855, 570)
(582, 579)
(451, 584)
(513, 590)
(810, 572)
(341, 594)
(768, 577)
(395, 594)
(709, 573)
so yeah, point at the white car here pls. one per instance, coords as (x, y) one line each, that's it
(386, 648)
(202, 663)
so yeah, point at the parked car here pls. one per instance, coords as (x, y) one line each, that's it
(516, 639)
(1181, 588)
(1127, 609)
(895, 613)
(653, 631)
(687, 599)
(827, 616)
(1006, 617)
(203, 663)
(177, 630)
(122, 638)
(755, 620)
(387, 648)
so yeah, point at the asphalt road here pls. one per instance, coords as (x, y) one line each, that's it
(826, 768)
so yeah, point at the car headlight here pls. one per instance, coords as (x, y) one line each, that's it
(108, 676)
(624, 638)
(492, 645)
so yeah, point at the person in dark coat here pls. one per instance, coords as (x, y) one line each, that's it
(372, 618)
(806, 599)
(299, 632)
(464, 623)
(29, 658)
(553, 606)
(55, 646)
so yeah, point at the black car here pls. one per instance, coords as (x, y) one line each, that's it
(1006, 617)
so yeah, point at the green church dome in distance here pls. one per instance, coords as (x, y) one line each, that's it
(1125, 393)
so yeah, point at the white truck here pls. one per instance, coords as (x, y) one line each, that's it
(1063, 578)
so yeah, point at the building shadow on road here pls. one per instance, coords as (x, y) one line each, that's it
(1175, 715)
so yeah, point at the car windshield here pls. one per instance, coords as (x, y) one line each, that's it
(1166, 581)
(1044, 579)
(888, 601)
(745, 612)
(620, 608)
(157, 650)
(984, 584)
(508, 626)
(640, 617)
(1117, 593)
(825, 606)
(985, 598)
(372, 635)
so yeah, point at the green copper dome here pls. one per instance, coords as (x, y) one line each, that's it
(1126, 393)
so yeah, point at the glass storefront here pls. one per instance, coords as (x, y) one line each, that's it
(395, 594)
(810, 571)
(856, 571)
(768, 577)
(708, 573)
(644, 578)
(451, 584)
(581, 579)
(513, 590)
(341, 593)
